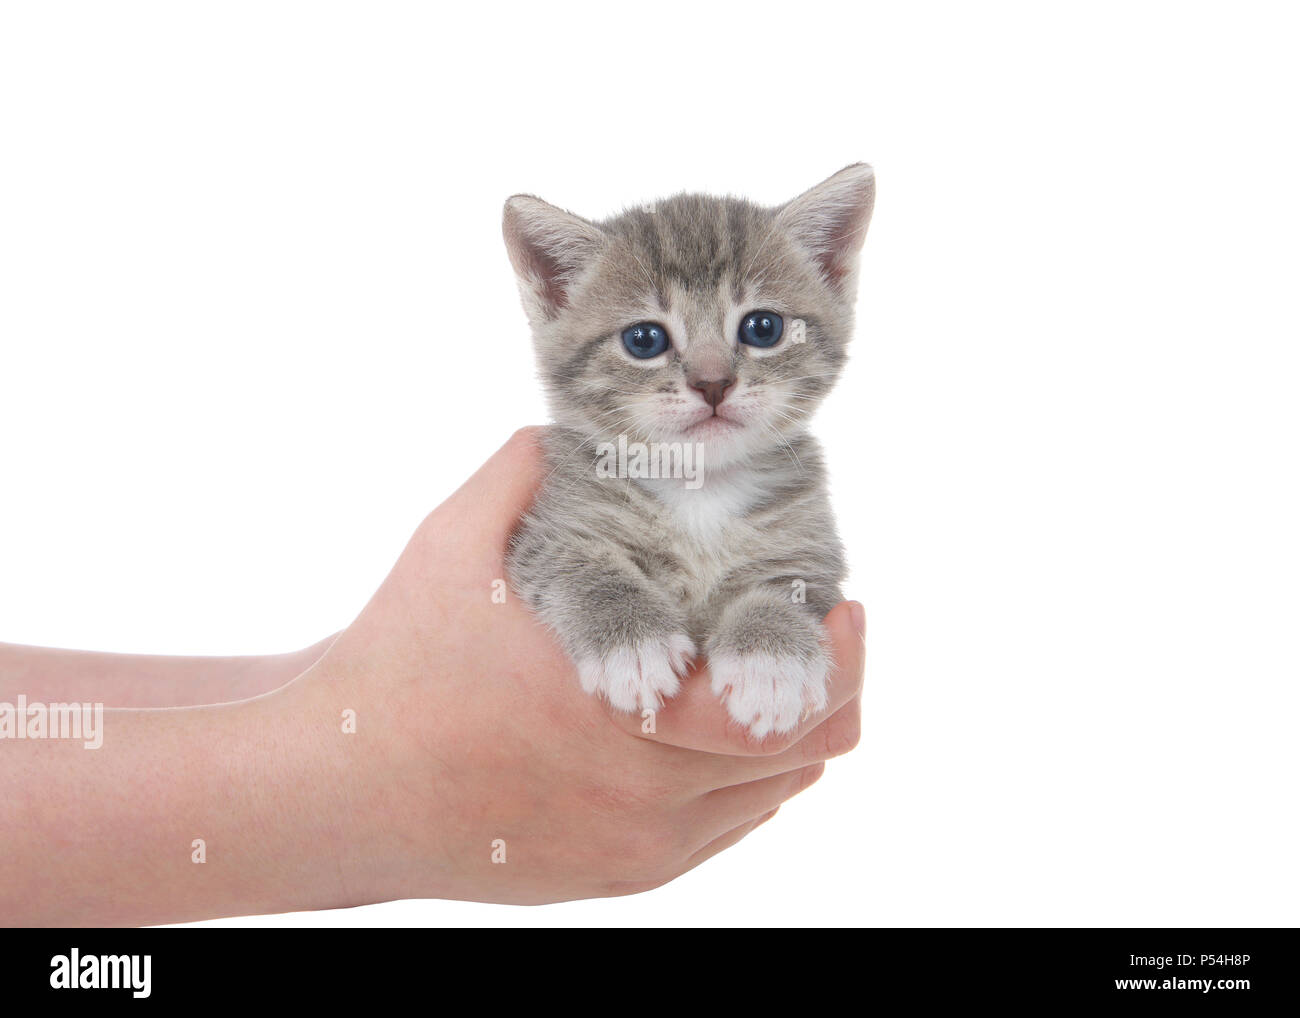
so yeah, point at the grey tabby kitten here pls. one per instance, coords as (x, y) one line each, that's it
(705, 331)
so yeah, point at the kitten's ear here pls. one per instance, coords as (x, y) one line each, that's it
(830, 222)
(549, 248)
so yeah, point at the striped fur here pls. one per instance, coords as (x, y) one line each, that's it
(636, 575)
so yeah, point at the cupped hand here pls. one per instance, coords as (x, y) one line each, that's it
(477, 767)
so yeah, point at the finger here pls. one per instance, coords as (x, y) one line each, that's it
(695, 719)
(726, 808)
(835, 736)
(725, 841)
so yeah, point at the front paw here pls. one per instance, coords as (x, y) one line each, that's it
(640, 676)
(770, 693)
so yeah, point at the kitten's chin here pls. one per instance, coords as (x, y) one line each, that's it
(724, 443)
(718, 442)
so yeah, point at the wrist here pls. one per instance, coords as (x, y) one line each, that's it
(340, 768)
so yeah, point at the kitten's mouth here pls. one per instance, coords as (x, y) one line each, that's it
(714, 424)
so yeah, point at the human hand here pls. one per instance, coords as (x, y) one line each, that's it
(473, 741)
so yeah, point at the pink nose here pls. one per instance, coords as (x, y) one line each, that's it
(713, 392)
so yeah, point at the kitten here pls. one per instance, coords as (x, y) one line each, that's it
(696, 335)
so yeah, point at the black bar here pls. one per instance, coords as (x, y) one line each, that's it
(1245, 969)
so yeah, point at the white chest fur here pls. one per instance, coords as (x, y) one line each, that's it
(704, 514)
(710, 524)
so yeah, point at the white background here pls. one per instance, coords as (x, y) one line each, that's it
(256, 320)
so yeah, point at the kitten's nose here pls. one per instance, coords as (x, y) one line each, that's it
(713, 392)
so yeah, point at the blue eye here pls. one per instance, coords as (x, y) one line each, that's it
(645, 340)
(761, 328)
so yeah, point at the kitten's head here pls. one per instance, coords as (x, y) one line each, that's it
(696, 319)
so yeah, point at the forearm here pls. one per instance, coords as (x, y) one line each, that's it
(50, 675)
(107, 836)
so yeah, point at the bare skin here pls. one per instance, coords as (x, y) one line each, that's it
(145, 680)
(471, 738)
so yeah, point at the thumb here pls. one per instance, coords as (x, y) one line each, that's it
(501, 490)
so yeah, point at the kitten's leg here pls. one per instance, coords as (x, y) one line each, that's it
(768, 660)
(629, 641)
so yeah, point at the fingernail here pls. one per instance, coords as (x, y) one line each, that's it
(859, 616)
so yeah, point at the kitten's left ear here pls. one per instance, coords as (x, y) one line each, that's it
(830, 222)
(549, 248)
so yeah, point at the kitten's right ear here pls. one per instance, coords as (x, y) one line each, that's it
(830, 222)
(549, 249)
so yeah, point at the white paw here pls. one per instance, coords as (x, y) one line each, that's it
(769, 694)
(639, 677)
